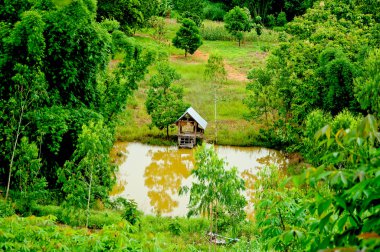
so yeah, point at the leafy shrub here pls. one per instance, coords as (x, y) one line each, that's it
(281, 19)
(40, 210)
(282, 37)
(259, 29)
(6, 209)
(344, 120)
(129, 210)
(214, 11)
(77, 217)
(314, 121)
(131, 214)
(175, 227)
(270, 21)
(348, 214)
(265, 48)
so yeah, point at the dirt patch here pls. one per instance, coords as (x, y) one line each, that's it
(201, 57)
(234, 74)
(260, 55)
(196, 58)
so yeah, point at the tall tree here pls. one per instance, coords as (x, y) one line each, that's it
(215, 72)
(237, 21)
(164, 102)
(261, 94)
(188, 37)
(337, 87)
(216, 190)
(89, 174)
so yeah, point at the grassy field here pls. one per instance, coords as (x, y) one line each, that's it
(233, 129)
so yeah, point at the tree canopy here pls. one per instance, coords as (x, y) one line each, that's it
(237, 21)
(188, 37)
(164, 102)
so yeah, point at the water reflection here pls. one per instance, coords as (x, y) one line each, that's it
(164, 176)
(154, 174)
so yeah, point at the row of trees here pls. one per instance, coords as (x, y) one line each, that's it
(266, 9)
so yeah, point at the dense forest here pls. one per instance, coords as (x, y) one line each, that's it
(71, 75)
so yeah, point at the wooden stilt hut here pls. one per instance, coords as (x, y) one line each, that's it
(190, 126)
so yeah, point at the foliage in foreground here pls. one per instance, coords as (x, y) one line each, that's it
(154, 234)
(36, 233)
(331, 206)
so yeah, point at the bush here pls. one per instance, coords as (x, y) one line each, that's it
(344, 120)
(77, 217)
(129, 210)
(6, 209)
(197, 19)
(214, 11)
(311, 149)
(282, 37)
(270, 21)
(175, 227)
(265, 48)
(281, 19)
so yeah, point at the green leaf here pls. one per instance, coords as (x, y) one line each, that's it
(322, 207)
(288, 237)
(341, 222)
(324, 221)
(352, 221)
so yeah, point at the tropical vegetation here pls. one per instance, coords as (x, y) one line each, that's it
(78, 75)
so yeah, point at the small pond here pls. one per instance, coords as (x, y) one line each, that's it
(152, 175)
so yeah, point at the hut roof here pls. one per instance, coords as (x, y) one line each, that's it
(202, 122)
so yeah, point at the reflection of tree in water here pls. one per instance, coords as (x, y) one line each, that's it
(163, 177)
(274, 158)
(250, 179)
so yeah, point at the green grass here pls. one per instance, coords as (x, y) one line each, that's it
(233, 129)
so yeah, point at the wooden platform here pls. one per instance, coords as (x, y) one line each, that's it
(186, 141)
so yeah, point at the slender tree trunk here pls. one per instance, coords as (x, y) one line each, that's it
(211, 219)
(215, 113)
(88, 199)
(266, 113)
(167, 131)
(13, 152)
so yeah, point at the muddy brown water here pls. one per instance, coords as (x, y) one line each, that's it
(152, 175)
